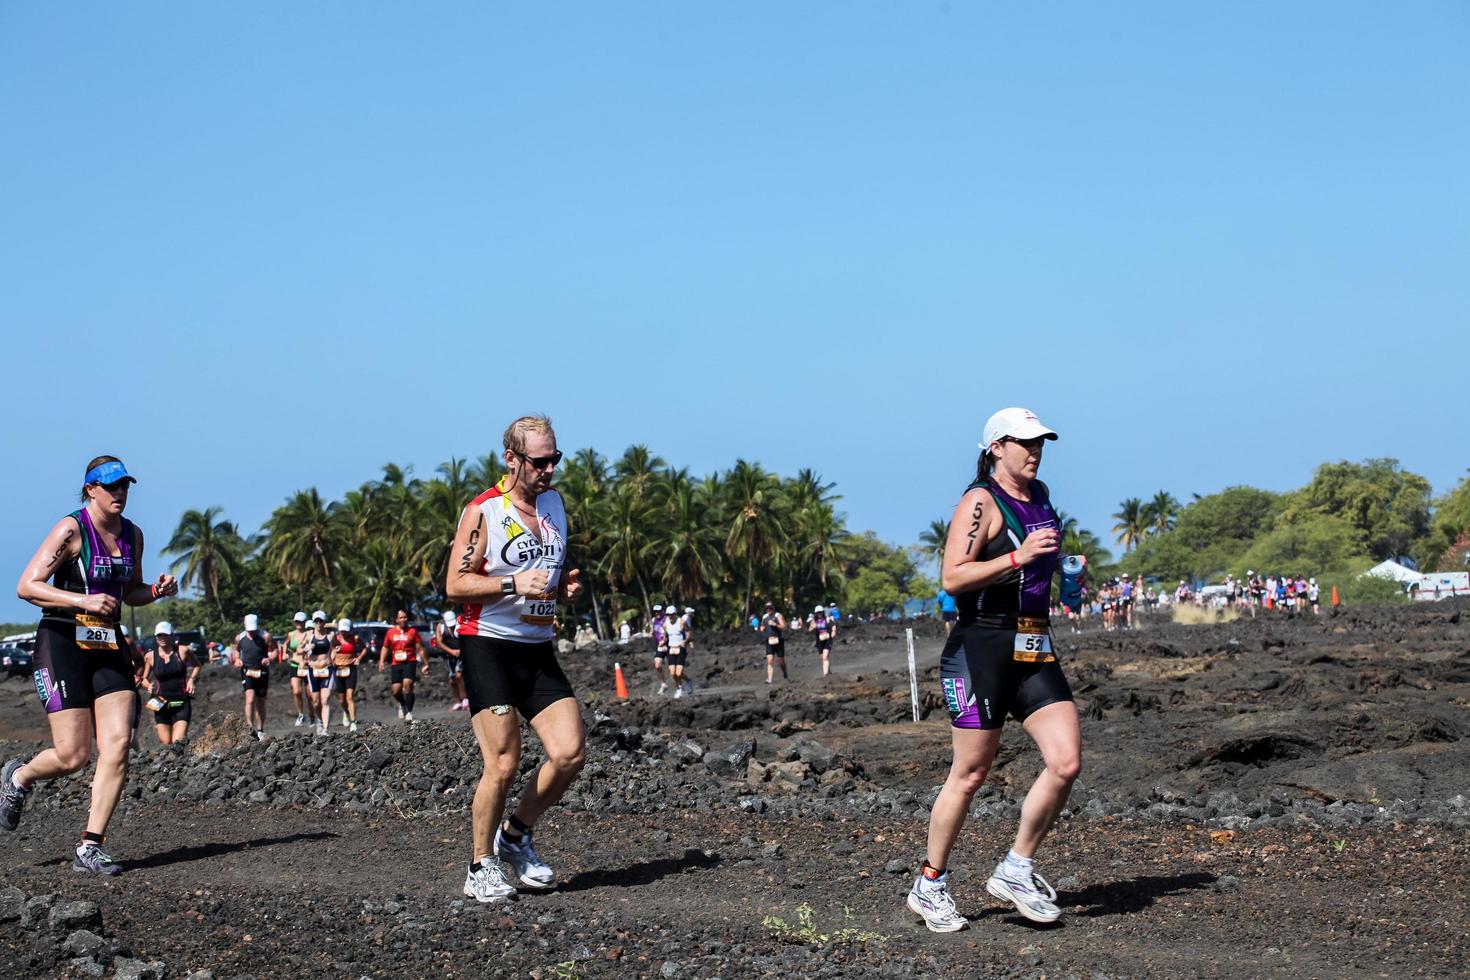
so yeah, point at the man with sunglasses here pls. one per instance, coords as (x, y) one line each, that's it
(506, 572)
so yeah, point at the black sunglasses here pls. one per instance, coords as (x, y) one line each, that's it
(114, 487)
(1027, 444)
(541, 462)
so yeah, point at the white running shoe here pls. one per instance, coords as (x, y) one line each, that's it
(300, 720)
(662, 687)
(465, 704)
(345, 721)
(488, 884)
(352, 727)
(679, 691)
(1035, 899)
(934, 905)
(321, 728)
(408, 717)
(524, 861)
(400, 710)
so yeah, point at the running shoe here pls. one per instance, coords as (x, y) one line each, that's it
(456, 706)
(400, 710)
(662, 687)
(688, 687)
(345, 721)
(408, 717)
(300, 720)
(12, 797)
(524, 861)
(1035, 899)
(91, 857)
(488, 884)
(679, 691)
(935, 906)
(321, 728)
(352, 727)
(465, 704)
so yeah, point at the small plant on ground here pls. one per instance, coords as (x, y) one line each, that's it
(805, 930)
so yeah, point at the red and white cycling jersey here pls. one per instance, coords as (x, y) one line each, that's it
(510, 548)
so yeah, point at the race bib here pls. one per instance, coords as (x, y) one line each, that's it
(321, 672)
(344, 671)
(539, 612)
(1033, 640)
(400, 656)
(301, 672)
(774, 641)
(254, 672)
(154, 704)
(95, 633)
(824, 637)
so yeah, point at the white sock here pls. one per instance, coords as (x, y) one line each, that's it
(1019, 867)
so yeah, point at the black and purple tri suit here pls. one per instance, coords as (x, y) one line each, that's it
(82, 656)
(999, 659)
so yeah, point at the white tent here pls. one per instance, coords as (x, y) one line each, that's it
(1393, 570)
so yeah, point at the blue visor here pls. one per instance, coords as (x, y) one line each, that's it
(108, 473)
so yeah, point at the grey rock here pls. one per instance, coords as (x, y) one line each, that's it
(126, 968)
(200, 975)
(897, 866)
(1225, 883)
(83, 943)
(687, 750)
(88, 967)
(670, 969)
(36, 910)
(260, 796)
(662, 837)
(12, 902)
(731, 761)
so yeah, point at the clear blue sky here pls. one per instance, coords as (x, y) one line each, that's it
(256, 247)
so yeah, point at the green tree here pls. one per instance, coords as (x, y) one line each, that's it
(207, 550)
(1130, 527)
(303, 539)
(1388, 504)
(1160, 513)
(932, 540)
(755, 528)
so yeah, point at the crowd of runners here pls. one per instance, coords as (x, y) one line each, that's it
(508, 571)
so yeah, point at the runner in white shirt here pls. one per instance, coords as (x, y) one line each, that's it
(506, 572)
(676, 626)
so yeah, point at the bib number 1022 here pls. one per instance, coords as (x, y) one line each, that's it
(540, 612)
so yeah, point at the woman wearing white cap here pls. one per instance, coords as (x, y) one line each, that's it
(319, 670)
(253, 650)
(169, 676)
(826, 631)
(447, 637)
(674, 627)
(999, 562)
(296, 659)
(346, 655)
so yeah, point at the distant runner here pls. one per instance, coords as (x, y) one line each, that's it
(403, 646)
(319, 671)
(999, 561)
(447, 636)
(948, 611)
(660, 648)
(169, 676)
(347, 653)
(774, 626)
(296, 660)
(88, 566)
(826, 631)
(506, 570)
(675, 626)
(254, 646)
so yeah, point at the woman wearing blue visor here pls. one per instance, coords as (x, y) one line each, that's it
(87, 568)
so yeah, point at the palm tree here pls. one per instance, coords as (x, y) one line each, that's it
(303, 538)
(486, 471)
(684, 552)
(1131, 523)
(933, 539)
(207, 549)
(637, 469)
(625, 530)
(756, 528)
(1160, 513)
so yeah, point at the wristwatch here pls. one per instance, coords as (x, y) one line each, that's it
(508, 585)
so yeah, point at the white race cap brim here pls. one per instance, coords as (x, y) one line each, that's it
(164, 629)
(1018, 423)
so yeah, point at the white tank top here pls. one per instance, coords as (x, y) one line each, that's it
(510, 549)
(674, 630)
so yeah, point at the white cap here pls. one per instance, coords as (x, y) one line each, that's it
(450, 619)
(252, 622)
(319, 614)
(164, 628)
(689, 609)
(343, 625)
(658, 608)
(820, 608)
(671, 607)
(299, 618)
(1312, 581)
(1018, 423)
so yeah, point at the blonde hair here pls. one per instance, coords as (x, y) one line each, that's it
(515, 433)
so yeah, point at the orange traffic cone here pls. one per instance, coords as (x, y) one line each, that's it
(1269, 605)
(619, 684)
(1334, 597)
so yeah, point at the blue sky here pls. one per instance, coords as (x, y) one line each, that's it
(252, 248)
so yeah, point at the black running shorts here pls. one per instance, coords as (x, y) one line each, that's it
(776, 649)
(983, 682)
(503, 673)
(453, 666)
(260, 685)
(69, 677)
(405, 672)
(169, 714)
(344, 682)
(677, 659)
(319, 682)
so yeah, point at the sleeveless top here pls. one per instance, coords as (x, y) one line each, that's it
(168, 676)
(823, 631)
(674, 629)
(346, 650)
(252, 650)
(509, 550)
(660, 630)
(95, 570)
(1025, 591)
(769, 622)
(449, 640)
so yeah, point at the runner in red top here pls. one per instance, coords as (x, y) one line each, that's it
(402, 646)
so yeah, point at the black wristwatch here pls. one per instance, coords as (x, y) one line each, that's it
(508, 585)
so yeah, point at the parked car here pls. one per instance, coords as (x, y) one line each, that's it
(16, 659)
